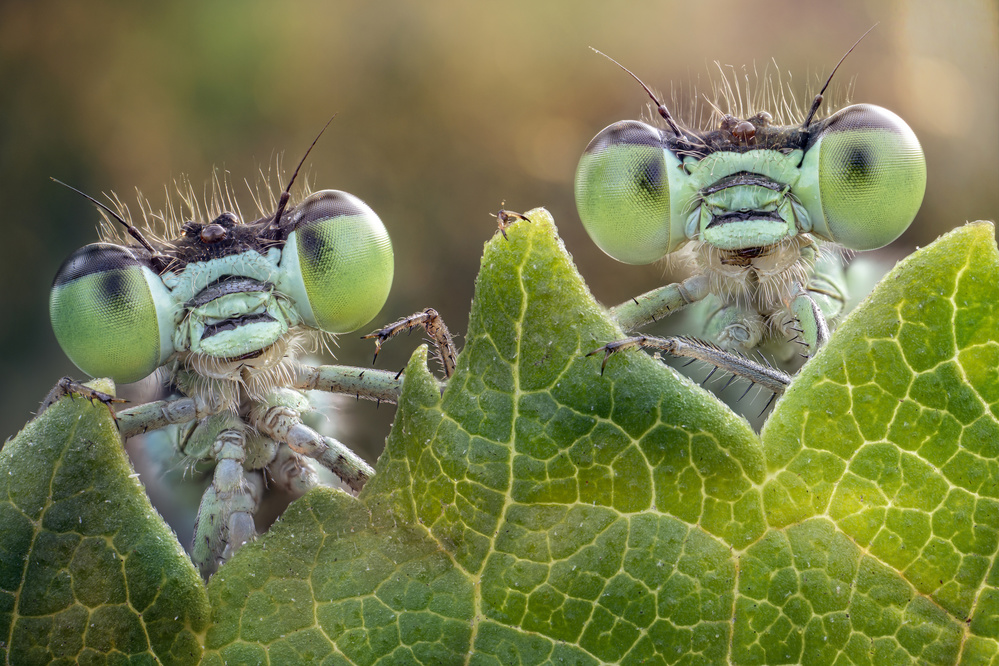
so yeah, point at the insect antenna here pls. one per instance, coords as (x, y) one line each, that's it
(133, 232)
(286, 194)
(660, 107)
(818, 98)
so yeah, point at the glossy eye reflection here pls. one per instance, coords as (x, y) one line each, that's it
(623, 192)
(866, 176)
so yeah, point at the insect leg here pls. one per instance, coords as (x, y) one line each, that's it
(225, 519)
(161, 413)
(379, 385)
(506, 218)
(435, 328)
(655, 304)
(284, 424)
(69, 386)
(769, 378)
(814, 329)
(290, 471)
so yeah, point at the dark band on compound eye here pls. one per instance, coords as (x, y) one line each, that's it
(861, 116)
(629, 132)
(97, 258)
(324, 206)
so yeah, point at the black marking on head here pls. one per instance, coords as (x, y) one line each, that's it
(236, 322)
(229, 284)
(740, 216)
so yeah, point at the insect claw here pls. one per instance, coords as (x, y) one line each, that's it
(504, 218)
(399, 374)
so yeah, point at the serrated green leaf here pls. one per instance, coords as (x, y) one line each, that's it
(89, 572)
(540, 513)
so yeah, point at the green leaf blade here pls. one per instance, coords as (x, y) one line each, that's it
(540, 512)
(89, 570)
(915, 366)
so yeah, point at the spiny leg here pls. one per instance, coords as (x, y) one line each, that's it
(69, 386)
(225, 519)
(435, 328)
(769, 378)
(161, 413)
(284, 424)
(656, 304)
(378, 385)
(814, 331)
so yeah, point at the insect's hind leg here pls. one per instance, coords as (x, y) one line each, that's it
(435, 328)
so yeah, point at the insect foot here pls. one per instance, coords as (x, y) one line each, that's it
(506, 218)
(435, 328)
(283, 424)
(69, 386)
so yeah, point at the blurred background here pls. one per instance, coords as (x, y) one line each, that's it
(445, 110)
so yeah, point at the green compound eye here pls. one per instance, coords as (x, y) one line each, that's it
(337, 264)
(111, 314)
(863, 179)
(623, 193)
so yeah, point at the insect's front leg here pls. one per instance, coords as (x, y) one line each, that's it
(656, 304)
(280, 418)
(161, 413)
(435, 328)
(378, 385)
(770, 378)
(225, 518)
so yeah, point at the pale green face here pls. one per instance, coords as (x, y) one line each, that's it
(116, 316)
(857, 178)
